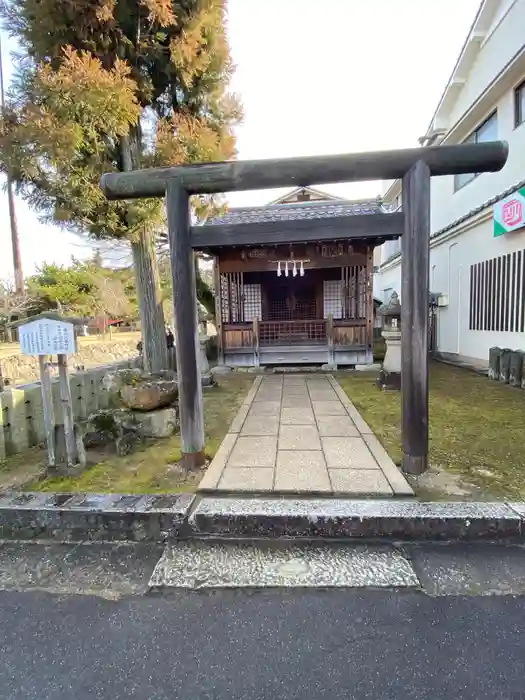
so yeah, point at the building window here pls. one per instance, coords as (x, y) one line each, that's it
(519, 104)
(497, 294)
(487, 131)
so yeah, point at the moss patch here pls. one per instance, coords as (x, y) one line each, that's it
(476, 427)
(150, 468)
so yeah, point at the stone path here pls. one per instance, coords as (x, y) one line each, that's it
(301, 434)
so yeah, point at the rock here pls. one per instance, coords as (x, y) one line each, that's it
(494, 362)
(148, 395)
(161, 423)
(329, 368)
(125, 443)
(98, 438)
(504, 366)
(207, 380)
(367, 368)
(516, 368)
(114, 381)
(220, 369)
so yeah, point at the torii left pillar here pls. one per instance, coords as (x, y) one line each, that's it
(187, 341)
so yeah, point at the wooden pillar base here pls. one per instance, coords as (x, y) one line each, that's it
(193, 460)
(415, 465)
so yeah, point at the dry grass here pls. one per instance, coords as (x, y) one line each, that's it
(152, 468)
(476, 427)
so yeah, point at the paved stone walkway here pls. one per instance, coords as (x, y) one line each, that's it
(300, 434)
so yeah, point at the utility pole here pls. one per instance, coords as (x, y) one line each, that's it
(15, 242)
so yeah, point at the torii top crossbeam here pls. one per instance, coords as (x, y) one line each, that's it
(207, 178)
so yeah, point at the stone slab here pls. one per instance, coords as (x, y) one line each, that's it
(301, 471)
(329, 408)
(350, 408)
(327, 394)
(294, 401)
(336, 426)
(360, 482)
(351, 518)
(254, 452)
(298, 437)
(208, 565)
(347, 453)
(397, 481)
(95, 517)
(213, 474)
(296, 390)
(265, 408)
(260, 425)
(469, 569)
(297, 416)
(110, 571)
(248, 479)
(268, 395)
(294, 381)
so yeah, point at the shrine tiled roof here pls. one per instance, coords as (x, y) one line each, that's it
(301, 210)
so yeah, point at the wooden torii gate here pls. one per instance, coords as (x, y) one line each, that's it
(414, 166)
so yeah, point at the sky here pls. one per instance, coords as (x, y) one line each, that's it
(337, 76)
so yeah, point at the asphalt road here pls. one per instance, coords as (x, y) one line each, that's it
(263, 645)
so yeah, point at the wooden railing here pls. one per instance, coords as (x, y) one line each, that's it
(272, 333)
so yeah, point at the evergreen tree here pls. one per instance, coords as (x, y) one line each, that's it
(110, 85)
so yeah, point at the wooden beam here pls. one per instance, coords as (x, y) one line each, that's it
(370, 305)
(187, 343)
(231, 176)
(361, 226)
(414, 318)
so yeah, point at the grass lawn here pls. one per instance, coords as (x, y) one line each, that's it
(477, 431)
(151, 468)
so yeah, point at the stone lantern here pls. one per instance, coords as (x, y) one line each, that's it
(390, 375)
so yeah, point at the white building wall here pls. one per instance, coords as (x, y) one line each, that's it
(485, 90)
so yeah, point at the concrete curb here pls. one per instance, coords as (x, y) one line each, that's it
(156, 518)
(353, 519)
(89, 516)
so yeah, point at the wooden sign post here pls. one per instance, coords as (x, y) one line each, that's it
(46, 335)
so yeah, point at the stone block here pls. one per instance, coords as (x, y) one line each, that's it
(336, 426)
(260, 425)
(359, 482)
(494, 362)
(298, 437)
(248, 479)
(352, 518)
(504, 367)
(254, 452)
(348, 453)
(516, 368)
(301, 471)
(161, 423)
(14, 411)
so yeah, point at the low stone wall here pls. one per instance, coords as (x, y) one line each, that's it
(23, 368)
(22, 413)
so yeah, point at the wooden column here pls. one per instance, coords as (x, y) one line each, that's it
(369, 305)
(218, 311)
(256, 351)
(67, 411)
(330, 338)
(187, 341)
(414, 318)
(47, 404)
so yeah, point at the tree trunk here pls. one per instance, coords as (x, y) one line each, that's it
(154, 348)
(153, 329)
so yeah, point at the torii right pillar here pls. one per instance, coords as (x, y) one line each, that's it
(415, 245)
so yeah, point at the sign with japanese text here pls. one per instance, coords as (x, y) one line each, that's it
(47, 337)
(509, 213)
